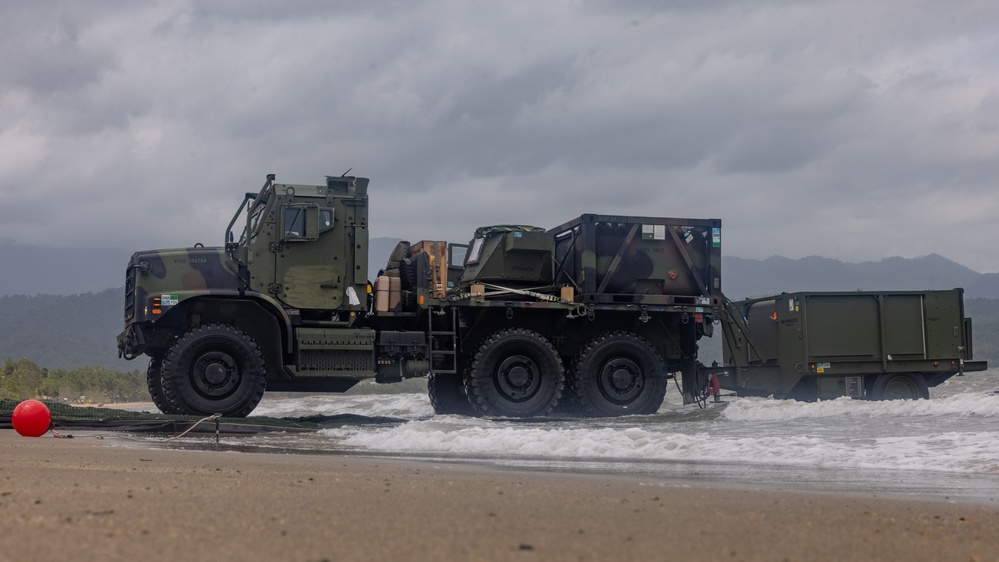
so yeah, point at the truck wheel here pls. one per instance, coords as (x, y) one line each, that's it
(568, 405)
(898, 386)
(215, 368)
(154, 382)
(617, 374)
(447, 395)
(516, 373)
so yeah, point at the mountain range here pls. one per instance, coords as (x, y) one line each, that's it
(742, 278)
(28, 270)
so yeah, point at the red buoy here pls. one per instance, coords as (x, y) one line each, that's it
(31, 418)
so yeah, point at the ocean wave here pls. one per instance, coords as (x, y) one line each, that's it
(765, 409)
(952, 452)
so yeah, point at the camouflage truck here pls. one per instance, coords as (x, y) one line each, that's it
(878, 345)
(592, 316)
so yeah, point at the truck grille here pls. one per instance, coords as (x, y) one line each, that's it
(129, 294)
(332, 360)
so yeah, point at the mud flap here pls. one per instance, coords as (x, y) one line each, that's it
(692, 380)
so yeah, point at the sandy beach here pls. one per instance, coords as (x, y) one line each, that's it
(92, 498)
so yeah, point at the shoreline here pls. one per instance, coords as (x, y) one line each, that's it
(694, 474)
(96, 497)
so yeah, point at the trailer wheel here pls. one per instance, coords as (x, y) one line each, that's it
(515, 373)
(447, 394)
(619, 373)
(898, 386)
(154, 382)
(215, 368)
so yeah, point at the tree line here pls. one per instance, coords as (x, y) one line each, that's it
(21, 379)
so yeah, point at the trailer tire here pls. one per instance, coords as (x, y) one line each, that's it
(214, 368)
(515, 373)
(617, 374)
(898, 386)
(154, 382)
(447, 395)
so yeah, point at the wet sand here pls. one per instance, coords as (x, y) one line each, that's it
(88, 498)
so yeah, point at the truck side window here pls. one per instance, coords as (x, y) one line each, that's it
(294, 222)
(473, 254)
(456, 255)
(304, 222)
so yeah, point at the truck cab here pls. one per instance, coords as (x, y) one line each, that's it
(280, 302)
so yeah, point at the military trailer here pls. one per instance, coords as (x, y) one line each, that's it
(823, 345)
(592, 316)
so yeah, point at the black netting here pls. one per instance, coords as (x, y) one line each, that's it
(78, 417)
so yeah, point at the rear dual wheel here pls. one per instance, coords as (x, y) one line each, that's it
(447, 394)
(619, 373)
(515, 373)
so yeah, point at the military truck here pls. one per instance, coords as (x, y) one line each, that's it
(879, 345)
(592, 316)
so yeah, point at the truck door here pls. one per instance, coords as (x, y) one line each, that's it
(310, 257)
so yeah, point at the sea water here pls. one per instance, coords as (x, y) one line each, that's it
(946, 447)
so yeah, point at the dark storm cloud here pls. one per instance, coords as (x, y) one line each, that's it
(838, 128)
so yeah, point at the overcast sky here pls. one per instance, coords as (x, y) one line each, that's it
(854, 130)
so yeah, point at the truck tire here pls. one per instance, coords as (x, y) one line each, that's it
(215, 368)
(516, 373)
(898, 386)
(447, 395)
(568, 405)
(619, 373)
(154, 382)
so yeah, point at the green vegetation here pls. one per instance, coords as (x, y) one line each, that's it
(21, 379)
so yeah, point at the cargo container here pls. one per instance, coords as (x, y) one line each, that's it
(610, 259)
(862, 344)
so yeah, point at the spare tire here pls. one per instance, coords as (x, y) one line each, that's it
(407, 273)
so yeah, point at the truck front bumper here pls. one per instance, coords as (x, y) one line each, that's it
(131, 344)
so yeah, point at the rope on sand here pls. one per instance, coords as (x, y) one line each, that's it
(211, 417)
